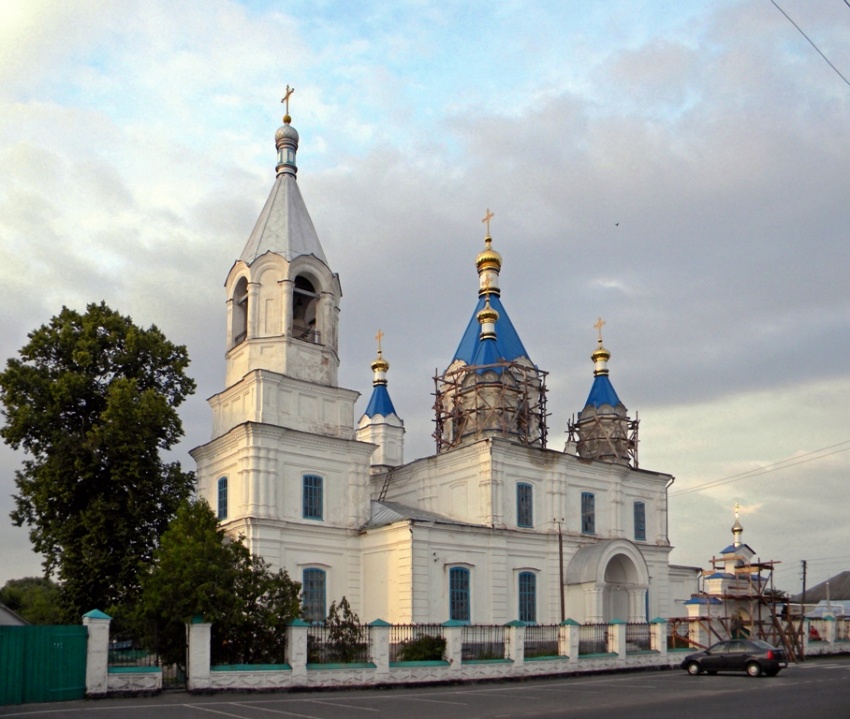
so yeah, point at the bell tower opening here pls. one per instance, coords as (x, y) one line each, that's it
(240, 311)
(304, 305)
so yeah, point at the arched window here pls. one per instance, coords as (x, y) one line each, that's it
(222, 498)
(640, 521)
(528, 597)
(313, 595)
(312, 497)
(588, 513)
(240, 311)
(524, 505)
(305, 300)
(459, 606)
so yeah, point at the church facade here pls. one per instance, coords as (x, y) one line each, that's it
(494, 527)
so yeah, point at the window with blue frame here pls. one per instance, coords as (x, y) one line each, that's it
(459, 607)
(313, 595)
(312, 496)
(222, 498)
(524, 505)
(588, 513)
(640, 521)
(528, 597)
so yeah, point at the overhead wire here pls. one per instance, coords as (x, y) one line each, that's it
(811, 42)
(774, 467)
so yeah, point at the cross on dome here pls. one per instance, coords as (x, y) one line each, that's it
(289, 91)
(600, 323)
(487, 216)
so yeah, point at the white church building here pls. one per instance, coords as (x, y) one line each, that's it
(494, 527)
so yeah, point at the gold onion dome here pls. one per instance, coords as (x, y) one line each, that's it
(379, 364)
(488, 259)
(487, 313)
(600, 353)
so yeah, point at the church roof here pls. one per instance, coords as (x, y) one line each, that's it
(380, 402)
(384, 512)
(284, 226)
(506, 346)
(602, 392)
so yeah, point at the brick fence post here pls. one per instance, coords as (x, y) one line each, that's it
(198, 675)
(453, 632)
(379, 648)
(296, 650)
(97, 652)
(659, 635)
(568, 639)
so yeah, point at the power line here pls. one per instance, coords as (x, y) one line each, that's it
(774, 467)
(838, 72)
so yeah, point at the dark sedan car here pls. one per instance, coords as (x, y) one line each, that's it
(752, 656)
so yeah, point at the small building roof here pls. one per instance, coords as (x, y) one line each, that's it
(384, 513)
(839, 589)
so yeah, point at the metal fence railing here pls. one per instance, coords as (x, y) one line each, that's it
(542, 640)
(593, 639)
(484, 642)
(126, 650)
(416, 642)
(638, 637)
(338, 645)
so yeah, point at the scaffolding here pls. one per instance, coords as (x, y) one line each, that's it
(752, 600)
(505, 399)
(605, 436)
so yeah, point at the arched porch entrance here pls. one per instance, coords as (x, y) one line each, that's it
(607, 581)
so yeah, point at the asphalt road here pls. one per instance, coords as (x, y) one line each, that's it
(818, 688)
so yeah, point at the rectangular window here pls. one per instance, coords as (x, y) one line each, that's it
(459, 594)
(524, 505)
(588, 513)
(640, 521)
(313, 596)
(312, 497)
(528, 597)
(222, 498)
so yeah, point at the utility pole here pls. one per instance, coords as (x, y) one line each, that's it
(803, 611)
(561, 566)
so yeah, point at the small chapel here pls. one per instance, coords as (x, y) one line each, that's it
(495, 526)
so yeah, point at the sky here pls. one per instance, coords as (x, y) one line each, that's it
(679, 169)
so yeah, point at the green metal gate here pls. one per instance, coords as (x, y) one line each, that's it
(42, 664)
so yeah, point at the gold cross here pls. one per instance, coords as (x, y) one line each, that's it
(379, 337)
(737, 507)
(599, 324)
(486, 220)
(289, 91)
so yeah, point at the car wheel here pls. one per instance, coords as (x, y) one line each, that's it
(693, 669)
(753, 669)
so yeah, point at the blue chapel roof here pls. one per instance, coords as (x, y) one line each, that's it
(380, 402)
(602, 392)
(507, 345)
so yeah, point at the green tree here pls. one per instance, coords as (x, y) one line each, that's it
(198, 571)
(92, 401)
(344, 632)
(36, 599)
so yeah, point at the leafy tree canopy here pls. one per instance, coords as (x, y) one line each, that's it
(36, 599)
(92, 401)
(198, 571)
